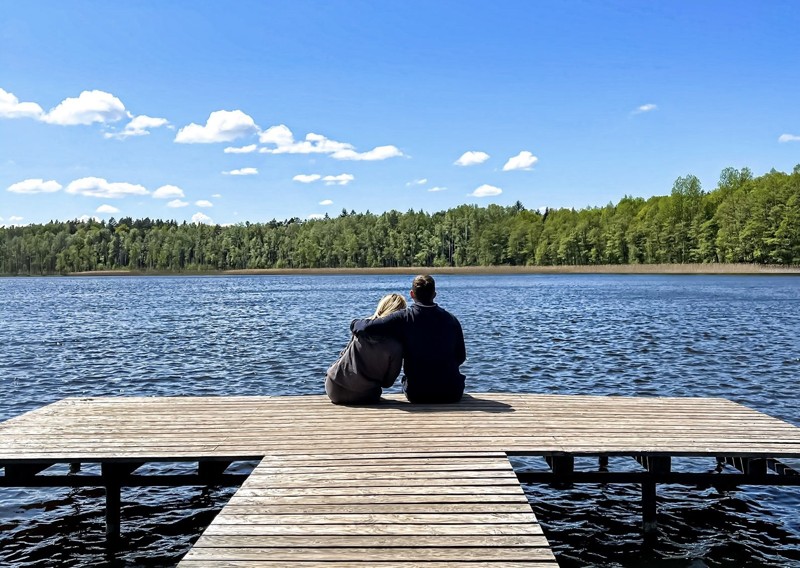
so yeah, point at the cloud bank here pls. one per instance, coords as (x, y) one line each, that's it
(87, 108)
(649, 107)
(10, 107)
(306, 178)
(99, 187)
(221, 126)
(138, 126)
(29, 186)
(486, 190)
(242, 172)
(282, 141)
(341, 179)
(168, 191)
(471, 158)
(522, 161)
(202, 219)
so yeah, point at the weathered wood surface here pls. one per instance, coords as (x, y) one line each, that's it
(387, 485)
(440, 522)
(186, 428)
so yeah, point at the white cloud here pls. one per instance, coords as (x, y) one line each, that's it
(377, 153)
(175, 203)
(282, 138)
(645, 108)
(10, 107)
(306, 178)
(34, 186)
(437, 188)
(241, 150)
(316, 216)
(202, 218)
(98, 187)
(107, 209)
(284, 142)
(486, 190)
(87, 218)
(204, 203)
(422, 181)
(138, 126)
(522, 161)
(326, 202)
(341, 179)
(87, 108)
(788, 138)
(168, 191)
(15, 219)
(242, 172)
(279, 135)
(542, 209)
(471, 158)
(221, 126)
(217, 195)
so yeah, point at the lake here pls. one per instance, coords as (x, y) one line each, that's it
(641, 335)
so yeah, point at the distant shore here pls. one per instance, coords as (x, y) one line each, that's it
(489, 270)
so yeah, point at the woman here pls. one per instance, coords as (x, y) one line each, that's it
(367, 364)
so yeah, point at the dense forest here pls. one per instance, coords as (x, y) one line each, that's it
(745, 219)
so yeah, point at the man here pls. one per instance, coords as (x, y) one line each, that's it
(433, 345)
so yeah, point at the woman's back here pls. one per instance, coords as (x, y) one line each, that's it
(366, 365)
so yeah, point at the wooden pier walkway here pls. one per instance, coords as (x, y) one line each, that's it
(393, 511)
(393, 484)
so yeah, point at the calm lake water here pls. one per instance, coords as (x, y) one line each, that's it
(731, 336)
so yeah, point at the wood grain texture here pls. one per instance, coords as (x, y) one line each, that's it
(386, 485)
(389, 515)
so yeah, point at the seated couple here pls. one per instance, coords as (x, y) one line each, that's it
(427, 339)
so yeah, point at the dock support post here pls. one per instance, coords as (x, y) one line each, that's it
(561, 464)
(654, 465)
(113, 475)
(210, 471)
(113, 505)
(649, 525)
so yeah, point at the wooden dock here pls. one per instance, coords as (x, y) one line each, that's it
(393, 484)
(399, 510)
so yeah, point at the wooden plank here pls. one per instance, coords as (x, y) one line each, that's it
(363, 554)
(369, 520)
(198, 563)
(509, 489)
(454, 529)
(403, 499)
(371, 541)
(237, 508)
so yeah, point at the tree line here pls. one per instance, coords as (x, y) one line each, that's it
(745, 219)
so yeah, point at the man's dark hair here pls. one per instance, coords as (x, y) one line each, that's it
(424, 289)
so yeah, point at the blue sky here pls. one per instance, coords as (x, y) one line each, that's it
(114, 109)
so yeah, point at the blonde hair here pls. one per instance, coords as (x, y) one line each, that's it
(389, 304)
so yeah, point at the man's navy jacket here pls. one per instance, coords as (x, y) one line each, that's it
(433, 349)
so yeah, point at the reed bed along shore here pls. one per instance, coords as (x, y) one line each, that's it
(582, 269)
